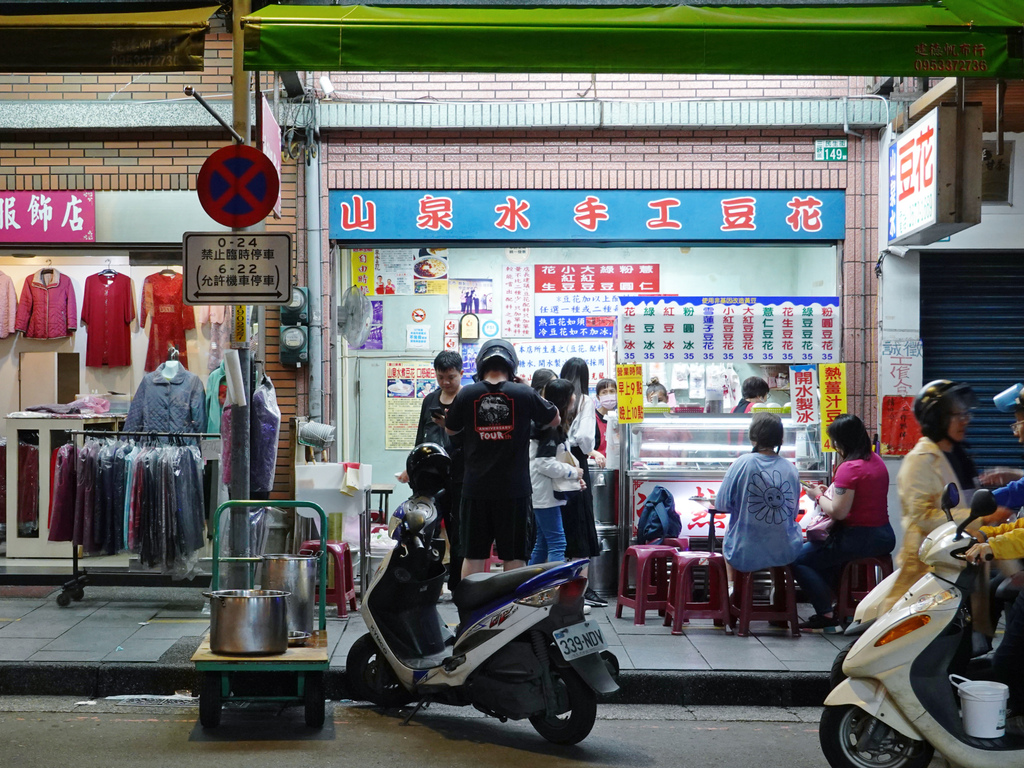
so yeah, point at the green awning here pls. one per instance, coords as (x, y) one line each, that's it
(980, 38)
(144, 41)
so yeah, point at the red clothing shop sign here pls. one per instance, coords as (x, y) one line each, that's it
(50, 216)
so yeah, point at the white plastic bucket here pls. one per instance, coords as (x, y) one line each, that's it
(983, 706)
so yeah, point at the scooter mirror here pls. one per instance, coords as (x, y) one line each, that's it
(950, 499)
(983, 503)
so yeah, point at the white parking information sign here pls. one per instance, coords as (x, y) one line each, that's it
(237, 268)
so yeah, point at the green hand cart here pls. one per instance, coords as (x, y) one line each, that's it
(308, 663)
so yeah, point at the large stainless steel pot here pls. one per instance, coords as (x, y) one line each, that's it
(248, 621)
(295, 574)
(602, 486)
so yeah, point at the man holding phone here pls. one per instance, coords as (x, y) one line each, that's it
(448, 372)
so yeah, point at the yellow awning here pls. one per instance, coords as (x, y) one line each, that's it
(143, 41)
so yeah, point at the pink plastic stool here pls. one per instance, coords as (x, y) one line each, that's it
(858, 579)
(681, 605)
(782, 609)
(343, 593)
(651, 563)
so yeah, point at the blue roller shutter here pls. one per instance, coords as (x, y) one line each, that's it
(972, 326)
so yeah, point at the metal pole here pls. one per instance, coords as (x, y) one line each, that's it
(236, 573)
(314, 274)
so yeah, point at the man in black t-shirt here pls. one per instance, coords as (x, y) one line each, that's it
(494, 417)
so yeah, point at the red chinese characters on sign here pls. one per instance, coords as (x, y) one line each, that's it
(359, 215)
(738, 214)
(664, 220)
(512, 214)
(590, 213)
(916, 165)
(435, 213)
(804, 395)
(49, 216)
(806, 214)
(597, 278)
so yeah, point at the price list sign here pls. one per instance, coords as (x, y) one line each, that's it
(724, 329)
(630, 382)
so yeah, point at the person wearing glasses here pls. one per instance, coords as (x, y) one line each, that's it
(943, 410)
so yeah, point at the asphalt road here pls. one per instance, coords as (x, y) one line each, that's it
(109, 734)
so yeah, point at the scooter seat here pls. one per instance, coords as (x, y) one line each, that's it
(479, 589)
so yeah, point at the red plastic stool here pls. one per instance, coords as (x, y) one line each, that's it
(858, 579)
(679, 543)
(343, 593)
(492, 561)
(743, 610)
(651, 566)
(681, 607)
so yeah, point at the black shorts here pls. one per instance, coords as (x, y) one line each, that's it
(505, 522)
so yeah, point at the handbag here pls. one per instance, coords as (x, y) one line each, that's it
(561, 484)
(820, 526)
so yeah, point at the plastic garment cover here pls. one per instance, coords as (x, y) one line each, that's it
(266, 426)
(62, 495)
(28, 489)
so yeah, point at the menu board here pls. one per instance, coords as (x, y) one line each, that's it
(401, 271)
(407, 383)
(717, 329)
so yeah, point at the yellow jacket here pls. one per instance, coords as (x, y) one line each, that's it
(923, 475)
(1007, 540)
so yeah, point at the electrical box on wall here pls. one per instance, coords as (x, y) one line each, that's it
(293, 339)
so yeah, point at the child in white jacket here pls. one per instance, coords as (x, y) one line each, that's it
(550, 471)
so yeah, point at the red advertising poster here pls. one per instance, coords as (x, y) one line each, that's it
(50, 216)
(597, 278)
(900, 430)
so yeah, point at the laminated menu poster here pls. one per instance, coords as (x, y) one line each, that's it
(722, 329)
(408, 382)
(401, 271)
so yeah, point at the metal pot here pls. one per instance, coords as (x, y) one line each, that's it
(603, 572)
(602, 486)
(248, 621)
(295, 574)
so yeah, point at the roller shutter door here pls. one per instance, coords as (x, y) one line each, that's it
(972, 326)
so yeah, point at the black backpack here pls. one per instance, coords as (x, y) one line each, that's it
(659, 519)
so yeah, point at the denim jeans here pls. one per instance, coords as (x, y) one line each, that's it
(550, 545)
(819, 565)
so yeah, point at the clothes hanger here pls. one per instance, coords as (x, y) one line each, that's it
(48, 269)
(168, 272)
(108, 272)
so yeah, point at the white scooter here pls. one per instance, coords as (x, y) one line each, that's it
(896, 705)
(522, 649)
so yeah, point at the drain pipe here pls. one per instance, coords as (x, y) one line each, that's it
(314, 270)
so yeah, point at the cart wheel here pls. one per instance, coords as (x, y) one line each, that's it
(314, 697)
(64, 599)
(209, 700)
(78, 594)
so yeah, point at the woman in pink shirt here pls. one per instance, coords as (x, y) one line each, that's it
(858, 507)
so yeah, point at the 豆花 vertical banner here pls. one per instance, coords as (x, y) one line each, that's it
(833, 398)
(803, 393)
(727, 329)
(630, 384)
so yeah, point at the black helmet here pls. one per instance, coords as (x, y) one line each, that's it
(497, 352)
(428, 467)
(935, 404)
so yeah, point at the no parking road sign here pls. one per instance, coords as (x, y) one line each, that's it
(238, 186)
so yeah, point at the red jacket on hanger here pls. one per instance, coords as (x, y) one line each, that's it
(47, 308)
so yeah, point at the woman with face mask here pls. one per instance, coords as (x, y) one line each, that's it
(607, 416)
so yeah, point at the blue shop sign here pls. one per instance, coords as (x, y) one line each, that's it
(385, 216)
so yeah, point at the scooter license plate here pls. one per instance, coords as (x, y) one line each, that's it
(580, 640)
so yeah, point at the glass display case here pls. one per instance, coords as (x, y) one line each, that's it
(689, 455)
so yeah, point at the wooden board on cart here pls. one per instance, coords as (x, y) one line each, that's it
(313, 652)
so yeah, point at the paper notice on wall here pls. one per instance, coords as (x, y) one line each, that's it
(407, 383)
(900, 365)
(630, 384)
(393, 271)
(417, 337)
(553, 354)
(803, 393)
(833, 398)
(517, 302)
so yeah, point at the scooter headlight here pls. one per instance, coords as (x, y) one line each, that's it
(928, 602)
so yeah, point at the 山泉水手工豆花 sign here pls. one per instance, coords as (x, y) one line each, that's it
(237, 268)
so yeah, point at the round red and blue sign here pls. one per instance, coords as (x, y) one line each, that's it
(238, 186)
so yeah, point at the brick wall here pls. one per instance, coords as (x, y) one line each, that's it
(649, 159)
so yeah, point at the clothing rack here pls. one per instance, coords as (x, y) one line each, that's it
(74, 587)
